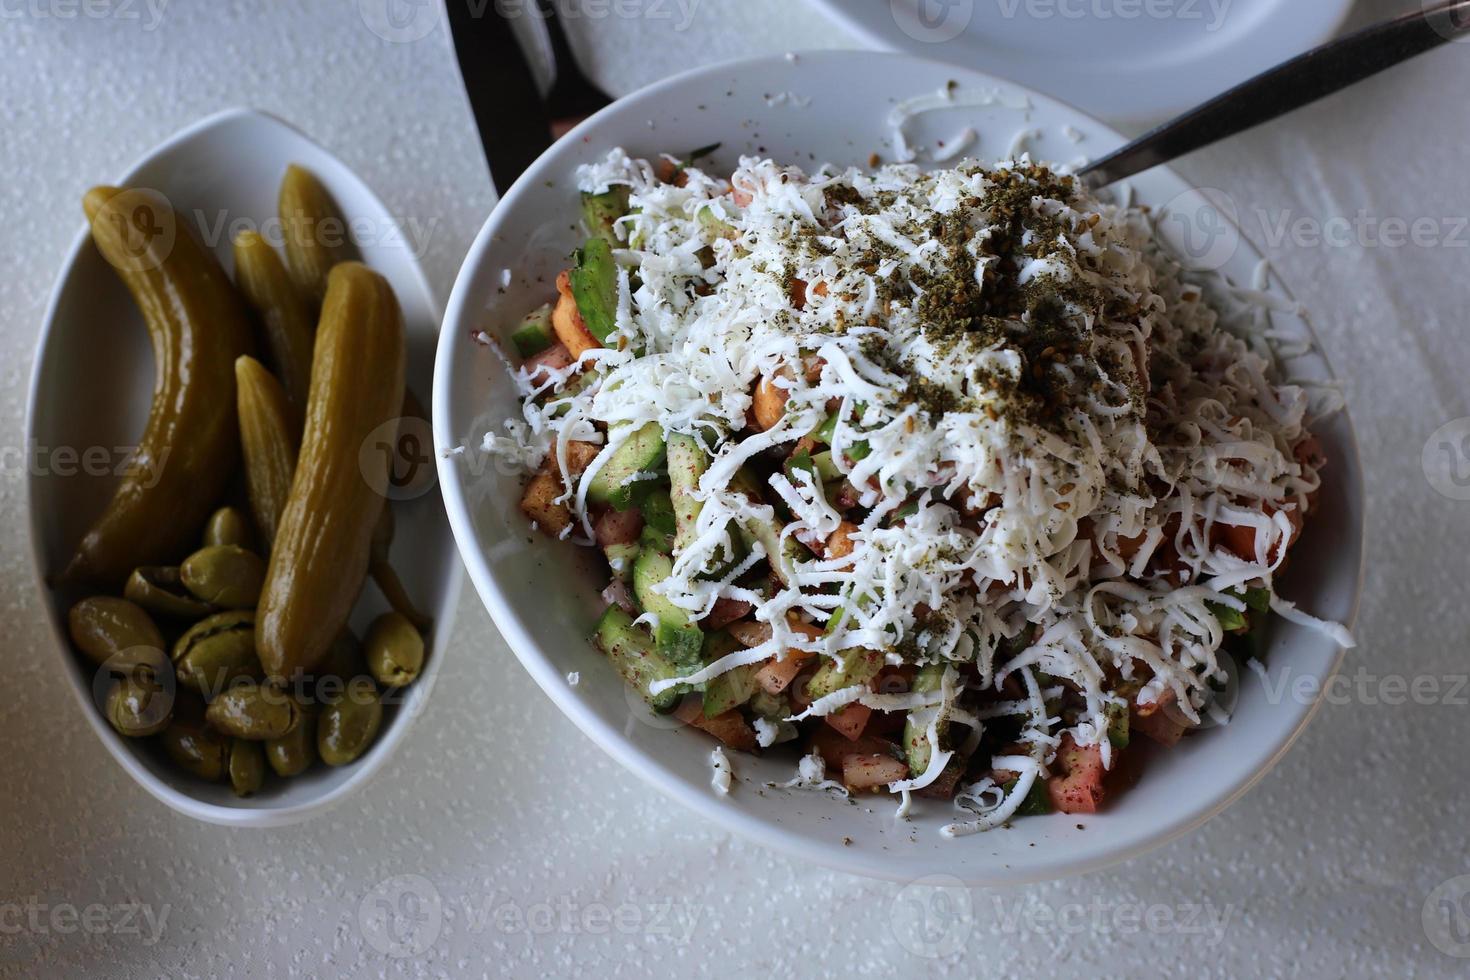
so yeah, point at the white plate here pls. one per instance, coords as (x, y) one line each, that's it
(92, 385)
(1129, 61)
(544, 594)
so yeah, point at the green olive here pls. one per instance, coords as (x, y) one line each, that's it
(349, 724)
(294, 752)
(247, 767)
(253, 711)
(160, 590)
(196, 748)
(229, 525)
(395, 650)
(104, 626)
(225, 575)
(140, 704)
(217, 651)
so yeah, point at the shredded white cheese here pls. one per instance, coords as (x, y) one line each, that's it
(720, 763)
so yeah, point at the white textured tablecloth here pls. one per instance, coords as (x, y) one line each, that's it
(540, 856)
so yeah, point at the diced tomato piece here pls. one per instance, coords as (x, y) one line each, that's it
(861, 772)
(851, 720)
(730, 728)
(725, 612)
(1076, 785)
(1160, 726)
(777, 675)
(614, 527)
(834, 747)
(554, 358)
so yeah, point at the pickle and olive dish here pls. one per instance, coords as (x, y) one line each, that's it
(884, 486)
(236, 603)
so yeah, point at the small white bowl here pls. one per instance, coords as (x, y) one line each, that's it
(91, 387)
(543, 594)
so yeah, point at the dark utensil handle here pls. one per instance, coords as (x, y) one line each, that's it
(1291, 85)
(509, 115)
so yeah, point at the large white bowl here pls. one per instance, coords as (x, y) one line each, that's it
(544, 594)
(92, 385)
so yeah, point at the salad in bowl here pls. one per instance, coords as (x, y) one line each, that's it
(944, 482)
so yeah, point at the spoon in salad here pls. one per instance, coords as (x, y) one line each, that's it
(1290, 85)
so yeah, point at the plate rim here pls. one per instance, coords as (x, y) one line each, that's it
(841, 12)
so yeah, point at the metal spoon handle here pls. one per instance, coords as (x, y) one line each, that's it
(1290, 85)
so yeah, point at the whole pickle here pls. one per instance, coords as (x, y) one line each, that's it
(315, 233)
(283, 311)
(320, 555)
(188, 449)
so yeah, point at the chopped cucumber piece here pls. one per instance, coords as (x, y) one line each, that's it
(781, 553)
(1231, 620)
(632, 652)
(800, 461)
(601, 212)
(1117, 717)
(594, 278)
(732, 688)
(677, 637)
(916, 745)
(774, 707)
(687, 463)
(715, 225)
(617, 482)
(534, 334)
(825, 467)
(826, 430)
(657, 508)
(858, 667)
(620, 558)
(651, 539)
(1037, 802)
